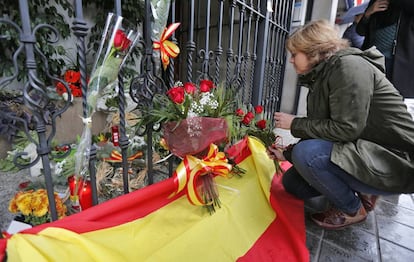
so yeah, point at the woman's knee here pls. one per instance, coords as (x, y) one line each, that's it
(305, 151)
(289, 182)
(292, 181)
(294, 184)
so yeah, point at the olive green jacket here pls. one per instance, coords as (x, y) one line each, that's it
(351, 103)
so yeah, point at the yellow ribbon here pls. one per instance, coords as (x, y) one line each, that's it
(191, 168)
(167, 48)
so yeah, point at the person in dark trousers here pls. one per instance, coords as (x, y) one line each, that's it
(389, 25)
(357, 140)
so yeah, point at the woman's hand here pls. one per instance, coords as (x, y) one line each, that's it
(283, 120)
(275, 152)
(377, 6)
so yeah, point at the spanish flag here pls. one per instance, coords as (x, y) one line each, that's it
(257, 221)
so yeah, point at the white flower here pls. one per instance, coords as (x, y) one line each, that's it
(137, 142)
(207, 99)
(196, 109)
(59, 167)
(65, 96)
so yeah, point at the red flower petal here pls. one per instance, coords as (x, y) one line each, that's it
(258, 109)
(206, 85)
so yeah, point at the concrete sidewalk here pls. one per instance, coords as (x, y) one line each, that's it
(386, 236)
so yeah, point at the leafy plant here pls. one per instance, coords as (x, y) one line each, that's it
(55, 13)
(20, 141)
(42, 12)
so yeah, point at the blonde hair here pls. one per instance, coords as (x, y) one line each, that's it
(318, 40)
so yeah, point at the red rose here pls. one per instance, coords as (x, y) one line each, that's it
(121, 42)
(250, 115)
(189, 88)
(60, 88)
(76, 91)
(258, 109)
(72, 76)
(206, 85)
(176, 94)
(239, 112)
(246, 120)
(261, 124)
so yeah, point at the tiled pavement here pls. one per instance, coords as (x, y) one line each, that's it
(387, 235)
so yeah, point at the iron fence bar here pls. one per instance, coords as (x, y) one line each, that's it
(276, 52)
(229, 52)
(255, 45)
(170, 75)
(246, 56)
(191, 46)
(206, 53)
(34, 88)
(92, 174)
(271, 86)
(259, 75)
(80, 30)
(219, 49)
(149, 70)
(123, 139)
(239, 56)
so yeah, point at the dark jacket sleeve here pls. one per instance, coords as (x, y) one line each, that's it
(406, 5)
(350, 85)
(363, 24)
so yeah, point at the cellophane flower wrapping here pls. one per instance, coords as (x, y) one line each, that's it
(118, 39)
(193, 135)
(160, 11)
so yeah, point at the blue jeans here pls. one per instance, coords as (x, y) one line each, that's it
(313, 174)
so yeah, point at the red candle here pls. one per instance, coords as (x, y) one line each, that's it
(72, 181)
(115, 135)
(85, 195)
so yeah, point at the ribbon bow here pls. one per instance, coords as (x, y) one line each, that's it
(191, 168)
(167, 48)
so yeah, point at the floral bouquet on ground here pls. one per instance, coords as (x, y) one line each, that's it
(34, 206)
(193, 117)
(193, 135)
(251, 122)
(194, 121)
(118, 39)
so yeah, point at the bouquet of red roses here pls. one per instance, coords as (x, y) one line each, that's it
(252, 123)
(194, 120)
(193, 117)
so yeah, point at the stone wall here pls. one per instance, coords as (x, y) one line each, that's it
(68, 127)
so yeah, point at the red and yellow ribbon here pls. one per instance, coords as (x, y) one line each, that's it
(191, 168)
(167, 48)
(116, 157)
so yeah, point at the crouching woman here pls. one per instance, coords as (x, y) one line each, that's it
(357, 139)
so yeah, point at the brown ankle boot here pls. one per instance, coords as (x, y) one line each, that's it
(336, 219)
(368, 201)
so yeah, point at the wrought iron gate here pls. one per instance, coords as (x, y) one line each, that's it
(239, 43)
(235, 42)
